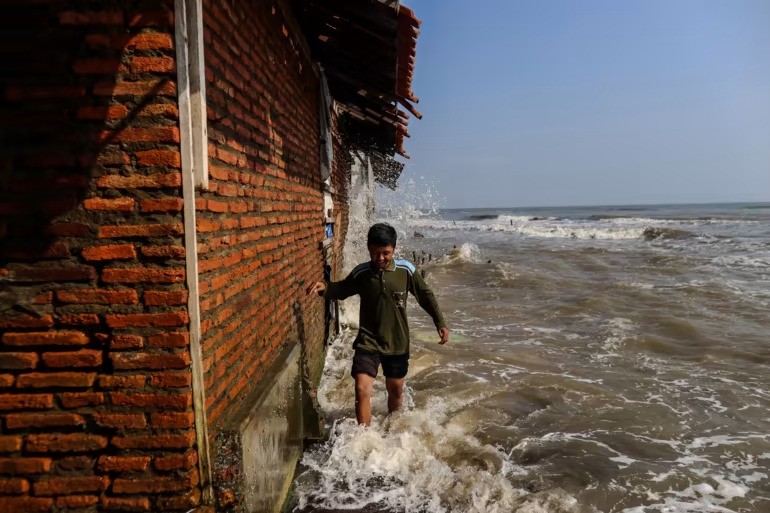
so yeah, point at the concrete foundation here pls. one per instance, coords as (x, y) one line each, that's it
(260, 446)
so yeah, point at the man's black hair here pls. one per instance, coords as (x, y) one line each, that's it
(381, 234)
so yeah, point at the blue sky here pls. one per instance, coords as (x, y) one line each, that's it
(588, 102)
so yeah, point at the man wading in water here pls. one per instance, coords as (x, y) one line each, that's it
(383, 336)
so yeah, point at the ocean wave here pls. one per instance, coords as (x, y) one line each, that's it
(466, 253)
(536, 229)
(653, 233)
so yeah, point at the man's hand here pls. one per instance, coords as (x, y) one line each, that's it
(316, 287)
(444, 334)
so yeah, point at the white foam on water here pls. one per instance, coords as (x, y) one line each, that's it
(503, 219)
(581, 232)
(616, 332)
(537, 229)
(421, 460)
(466, 253)
(417, 461)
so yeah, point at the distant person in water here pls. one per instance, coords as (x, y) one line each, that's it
(383, 284)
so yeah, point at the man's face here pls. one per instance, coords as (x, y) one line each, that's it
(381, 256)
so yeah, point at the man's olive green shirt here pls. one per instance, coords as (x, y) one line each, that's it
(383, 324)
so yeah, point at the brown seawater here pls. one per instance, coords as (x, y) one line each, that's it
(604, 359)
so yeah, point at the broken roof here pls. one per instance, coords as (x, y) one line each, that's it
(367, 51)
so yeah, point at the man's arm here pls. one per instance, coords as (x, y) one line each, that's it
(427, 300)
(335, 289)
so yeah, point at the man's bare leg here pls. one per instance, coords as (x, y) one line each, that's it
(364, 383)
(395, 388)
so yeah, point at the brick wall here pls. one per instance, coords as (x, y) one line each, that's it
(95, 384)
(341, 184)
(95, 397)
(260, 223)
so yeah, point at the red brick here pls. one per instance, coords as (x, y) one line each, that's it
(13, 486)
(149, 361)
(85, 319)
(91, 18)
(152, 65)
(206, 225)
(217, 206)
(121, 504)
(169, 319)
(46, 338)
(184, 502)
(6, 380)
(71, 400)
(123, 463)
(18, 321)
(17, 361)
(107, 158)
(110, 252)
(155, 441)
(151, 485)
(168, 110)
(149, 41)
(136, 181)
(53, 250)
(140, 88)
(98, 296)
(163, 251)
(56, 379)
(75, 463)
(96, 66)
(69, 229)
(10, 443)
(171, 379)
(176, 461)
(71, 485)
(159, 158)
(72, 359)
(100, 113)
(172, 401)
(25, 504)
(22, 466)
(127, 342)
(141, 230)
(42, 420)
(77, 501)
(142, 275)
(44, 298)
(165, 298)
(40, 274)
(26, 401)
(135, 135)
(172, 420)
(121, 420)
(122, 381)
(162, 205)
(75, 442)
(169, 339)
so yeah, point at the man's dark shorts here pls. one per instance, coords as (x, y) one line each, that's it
(367, 362)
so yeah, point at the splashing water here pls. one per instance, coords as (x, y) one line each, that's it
(602, 372)
(424, 458)
(466, 253)
(414, 198)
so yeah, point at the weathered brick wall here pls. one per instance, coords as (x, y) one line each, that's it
(261, 222)
(95, 394)
(341, 184)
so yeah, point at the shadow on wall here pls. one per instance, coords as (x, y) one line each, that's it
(64, 116)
